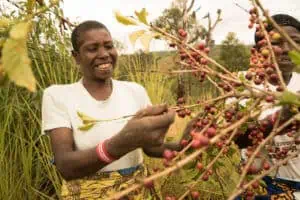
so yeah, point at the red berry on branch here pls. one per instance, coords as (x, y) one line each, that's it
(207, 50)
(196, 144)
(203, 61)
(270, 98)
(199, 166)
(249, 76)
(184, 142)
(182, 32)
(195, 194)
(266, 165)
(168, 154)
(211, 132)
(181, 100)
(148, 184)
(205, 177)
(201, 46)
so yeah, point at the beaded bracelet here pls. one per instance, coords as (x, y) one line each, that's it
(102, 153)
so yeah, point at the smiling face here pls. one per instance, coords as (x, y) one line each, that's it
(97, 55)
(285, 64)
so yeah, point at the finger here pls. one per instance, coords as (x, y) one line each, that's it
(160, 121)
(152, 110)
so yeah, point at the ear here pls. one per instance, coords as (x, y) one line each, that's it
(76, 56)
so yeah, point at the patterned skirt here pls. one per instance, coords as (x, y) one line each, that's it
(103, 185)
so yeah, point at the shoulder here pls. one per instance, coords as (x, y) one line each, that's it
(60, 91)
(294, 84)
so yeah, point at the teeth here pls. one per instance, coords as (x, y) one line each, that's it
(104, 66)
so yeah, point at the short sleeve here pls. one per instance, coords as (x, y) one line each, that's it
(145, 100)
(54, 113)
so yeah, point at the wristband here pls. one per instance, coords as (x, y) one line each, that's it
(102, 153)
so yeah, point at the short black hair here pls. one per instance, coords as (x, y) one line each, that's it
(283, 20)
(83, 27)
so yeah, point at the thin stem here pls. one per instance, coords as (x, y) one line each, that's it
(189, 158)
(262, 144)
(277, 27)
(270, 48)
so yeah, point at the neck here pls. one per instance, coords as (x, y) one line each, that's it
(100, 89)
(287, 77)
(96, 84)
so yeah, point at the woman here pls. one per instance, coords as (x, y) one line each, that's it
(286, 183)
(101, 160)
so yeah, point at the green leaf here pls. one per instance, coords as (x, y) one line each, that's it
(135, 35)
(86, 127)
(295, 57)
(288, 97)
(15, 60)
(145, 40)
(125, 20)
(142, 16)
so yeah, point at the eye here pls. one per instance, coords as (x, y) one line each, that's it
(92, 49)
(109, 46)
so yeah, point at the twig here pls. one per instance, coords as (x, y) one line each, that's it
(271, 49)
(277, 27)
(189, 158)
(262, 144)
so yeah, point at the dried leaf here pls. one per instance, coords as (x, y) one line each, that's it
(86, 127)
(135, 35)
(15, 60)
(145, 40)
(142, 16)
(85, 119)
(124, 20)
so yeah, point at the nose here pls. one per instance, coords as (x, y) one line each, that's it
(286, 47)
(102, 53)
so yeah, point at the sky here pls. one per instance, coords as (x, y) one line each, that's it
(234, 18)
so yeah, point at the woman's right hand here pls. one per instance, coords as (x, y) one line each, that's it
(146, 129)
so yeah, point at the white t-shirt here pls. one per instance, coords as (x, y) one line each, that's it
(62, 102)
(291, 171)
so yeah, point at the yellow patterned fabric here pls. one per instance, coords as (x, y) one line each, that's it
(103, 185)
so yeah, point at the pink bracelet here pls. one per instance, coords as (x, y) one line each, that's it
(102, 153)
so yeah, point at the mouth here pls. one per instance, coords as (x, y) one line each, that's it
(104, 67)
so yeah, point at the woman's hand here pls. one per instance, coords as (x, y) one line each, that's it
(146, 129)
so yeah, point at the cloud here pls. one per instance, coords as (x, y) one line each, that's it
(234, 18)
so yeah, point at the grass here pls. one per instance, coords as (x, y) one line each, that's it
(25, 155)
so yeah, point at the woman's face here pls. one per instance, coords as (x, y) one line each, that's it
(284, 62)
(97, 55)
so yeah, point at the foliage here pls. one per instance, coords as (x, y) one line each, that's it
(172, 20)
(232, 46)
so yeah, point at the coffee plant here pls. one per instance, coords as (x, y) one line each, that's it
(223, 119)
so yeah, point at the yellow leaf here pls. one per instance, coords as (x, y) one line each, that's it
(135, 35)
(86, 127)
(15, 60)
(145, 40)
(4, 22)
(20, 31)
(124, 20)
(85, 119)
(30, 6)
(142, 16)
